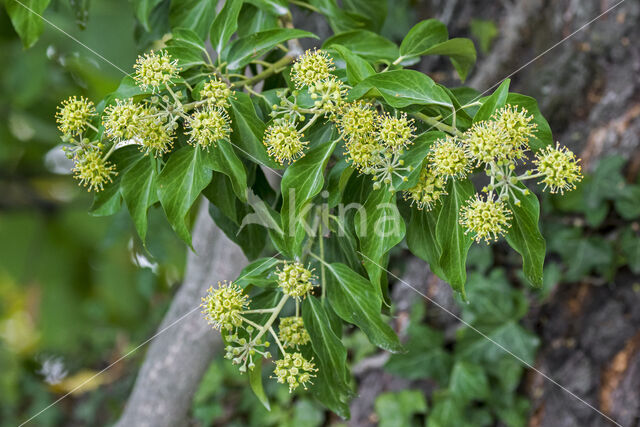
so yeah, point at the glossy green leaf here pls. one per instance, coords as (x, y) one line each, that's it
(493, 103)
(379, 228)
(357, 68)
(275, 7)
(26, 20)
(421, 237)
(373, 13)
(469, 381)
(460, 51)
(356, 301)
(245, 49)
(142, 10)
(196, 15)
(422, 36)
(524, 236)
(401, 88)
(369, 45)
(332, 385)
(139, 192)
(225, 24)
(259, 273)
(413, 157)
(255, 380)
(450, 234)
(180, 183)
(223, 158)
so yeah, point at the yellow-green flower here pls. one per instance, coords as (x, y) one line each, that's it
(485, 219)
(449, 159)
(216, 93)
(155, 70)
(487, 141)
(559, 168)
(92, 170)
(208, 126)
(284, 142)
(519, 126)
(292, 332)
(155, 136)
(363, 153)
(74, 115)
(396, 132)
(328, 94)
(428, 190)
(224, 305)
(294, 370)
(295, 280)
(312, 67)
(122, 120)
(357, 121)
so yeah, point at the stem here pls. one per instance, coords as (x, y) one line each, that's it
(261, 310)
(111, 150)
(277, 340)
(309, 123)
(275, 68)
(399, 60)
(274, 315)
(321, 246)
(437, 124)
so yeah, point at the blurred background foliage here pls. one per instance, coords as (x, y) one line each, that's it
(78, 292)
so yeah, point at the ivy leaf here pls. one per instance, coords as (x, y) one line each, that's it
(460, 51)
(301, 182)
(142, 10)
(184, 176)
(187, 47)
(258, 273)
(225, 24)
(333, 375)
(245, 49)
(368, 45)
(421, 237)
(379, 228)
(196, 15)
(357, 68)
(423, 36)
(108, 201)
(255, 380)
(401, 88)
(372, 12)
(248, 130)
(469, 381)
(473, 347)
(355, 300)
(493, 103)
(275, 7)
(396, 409)
(223, 159)
(254, 20)
(26, 19)
(413, 157)
(450, 235)
(524, 236)
(139, 192)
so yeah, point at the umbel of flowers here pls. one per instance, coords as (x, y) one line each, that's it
(151, 123)
(227, 308)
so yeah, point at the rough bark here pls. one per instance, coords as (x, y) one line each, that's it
(182, 351)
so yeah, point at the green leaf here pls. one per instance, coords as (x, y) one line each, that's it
(254, 20)
(484, 31)
(379, 228)
(142, 10)
(605, 183)
(337, 181)
(423, 36)
(301, 182)
(372, 12)
(460, 51)
(524, 236)
(413, 157)
(357, 68)
(369, 45)
(248, 130)
(139, 192)
(630, 248)
(180, 183)
(196, 15)
(333, 373)
(450, 234)
(26, 19)
(401, 88)
(421, 237)
(355, 300)
(476, 348)
(628, 203)
(259, 273)
(245, 49)
(397, 409)
(255, 380)
(223, 159)
(469, 381)
(186, 47)
(108, 201)
(275, 7)
(493, 103)
(225, 24)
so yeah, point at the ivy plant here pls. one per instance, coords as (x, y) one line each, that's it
(369, 154)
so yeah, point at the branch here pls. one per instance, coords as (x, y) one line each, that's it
(178, 358)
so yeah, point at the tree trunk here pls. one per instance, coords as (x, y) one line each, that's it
(185, 344)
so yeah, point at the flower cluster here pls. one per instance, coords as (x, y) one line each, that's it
(92, 169)
(428, 190)
(207, 126)
(216, 93)
(295, 280)
(284, 142)
(155, 70)
(485, 219)
(224, 305)
(294, 370)
(558, 168)
(241, 351)
(292, 332)
(312, 67)
(74, 115)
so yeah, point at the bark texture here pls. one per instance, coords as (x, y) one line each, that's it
(182, 351)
